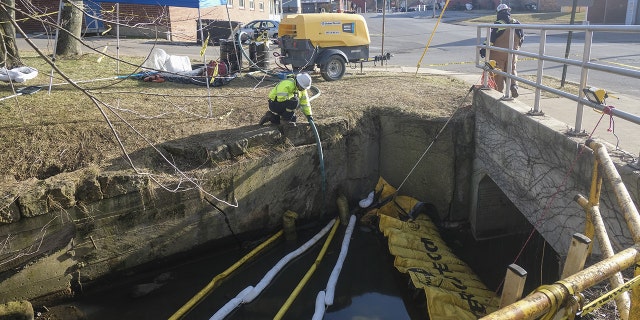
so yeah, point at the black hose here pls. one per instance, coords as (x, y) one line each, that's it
(322, 171)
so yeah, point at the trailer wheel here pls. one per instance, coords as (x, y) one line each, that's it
(334, 68)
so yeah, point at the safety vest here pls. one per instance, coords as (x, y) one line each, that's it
(286, 90)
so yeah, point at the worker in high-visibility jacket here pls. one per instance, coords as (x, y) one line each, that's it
(287, 96)
(500, 38)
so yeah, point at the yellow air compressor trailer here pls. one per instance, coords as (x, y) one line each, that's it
(326, 40)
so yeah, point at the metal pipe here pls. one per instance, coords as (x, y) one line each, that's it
(565, 27)
(510, 58)
(541, 302)
(216, 280)
(584, 75)
(539, 74)
(629, 210)
(623, 301)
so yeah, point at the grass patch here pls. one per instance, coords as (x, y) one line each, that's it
(45, 134)
(555, 83)
(535, 18)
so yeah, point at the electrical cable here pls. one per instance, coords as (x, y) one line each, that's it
(226, 220)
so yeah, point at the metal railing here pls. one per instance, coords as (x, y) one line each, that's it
(585, 64)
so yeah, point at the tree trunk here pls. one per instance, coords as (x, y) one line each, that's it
(71, 21)
(9, 55)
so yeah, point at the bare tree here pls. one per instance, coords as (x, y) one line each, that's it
(9, 55)
(71, 24)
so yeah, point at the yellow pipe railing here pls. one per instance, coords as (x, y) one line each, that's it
(216, 280)
(622, 300)
(539, 303)
(547, 300)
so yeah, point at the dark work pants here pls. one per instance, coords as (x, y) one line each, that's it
(284, 110)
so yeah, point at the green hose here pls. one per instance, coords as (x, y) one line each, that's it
(321, 156)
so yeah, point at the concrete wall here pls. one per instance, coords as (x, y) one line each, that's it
(104, 222)
(540, 170)
(76, 227)
(492, 165)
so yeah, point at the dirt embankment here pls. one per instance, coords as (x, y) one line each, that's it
(113, 124)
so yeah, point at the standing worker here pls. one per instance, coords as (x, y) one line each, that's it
(500, 38)
(286, 97)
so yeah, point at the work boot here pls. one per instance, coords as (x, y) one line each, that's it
(267, 117)
(514, 91)
(289, 122)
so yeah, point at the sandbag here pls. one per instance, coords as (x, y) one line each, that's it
(423, 278)
(452, 289)
(19, 74)
(443, 304)
(159, 60)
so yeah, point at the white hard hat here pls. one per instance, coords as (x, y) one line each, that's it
(303, 80)
(502, 6)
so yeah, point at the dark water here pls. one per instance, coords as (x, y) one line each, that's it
(369, 286)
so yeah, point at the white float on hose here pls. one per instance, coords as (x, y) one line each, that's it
(248, 294)
(333, 278)
(319, 306)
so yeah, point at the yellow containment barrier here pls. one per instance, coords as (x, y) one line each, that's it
(452, 289)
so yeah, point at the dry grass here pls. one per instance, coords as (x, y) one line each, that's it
(45, 134)
(552, 82)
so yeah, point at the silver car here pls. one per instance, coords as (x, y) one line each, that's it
(256, 27)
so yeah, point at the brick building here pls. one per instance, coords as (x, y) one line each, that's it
(144, 20)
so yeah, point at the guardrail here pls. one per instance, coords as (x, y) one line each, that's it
(541, 56)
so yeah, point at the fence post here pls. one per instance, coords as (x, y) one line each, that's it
(513, 285)
(577, 255)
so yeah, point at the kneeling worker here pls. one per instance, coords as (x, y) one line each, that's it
(286, 97)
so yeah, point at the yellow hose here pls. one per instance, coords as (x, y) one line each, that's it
(215, 281)
(446, 5)
(307, 276)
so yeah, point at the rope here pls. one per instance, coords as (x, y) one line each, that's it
(612, 124)
(609, 110)
(434, 140)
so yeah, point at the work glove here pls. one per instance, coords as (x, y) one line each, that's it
(483, 52)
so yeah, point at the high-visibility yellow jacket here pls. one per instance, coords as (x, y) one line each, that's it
(286, 90)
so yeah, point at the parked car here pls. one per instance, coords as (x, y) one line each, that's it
(256, 27)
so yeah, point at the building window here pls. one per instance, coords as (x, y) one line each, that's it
(252, 5)
(230, 3)
(261, 5)
(241, 3)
